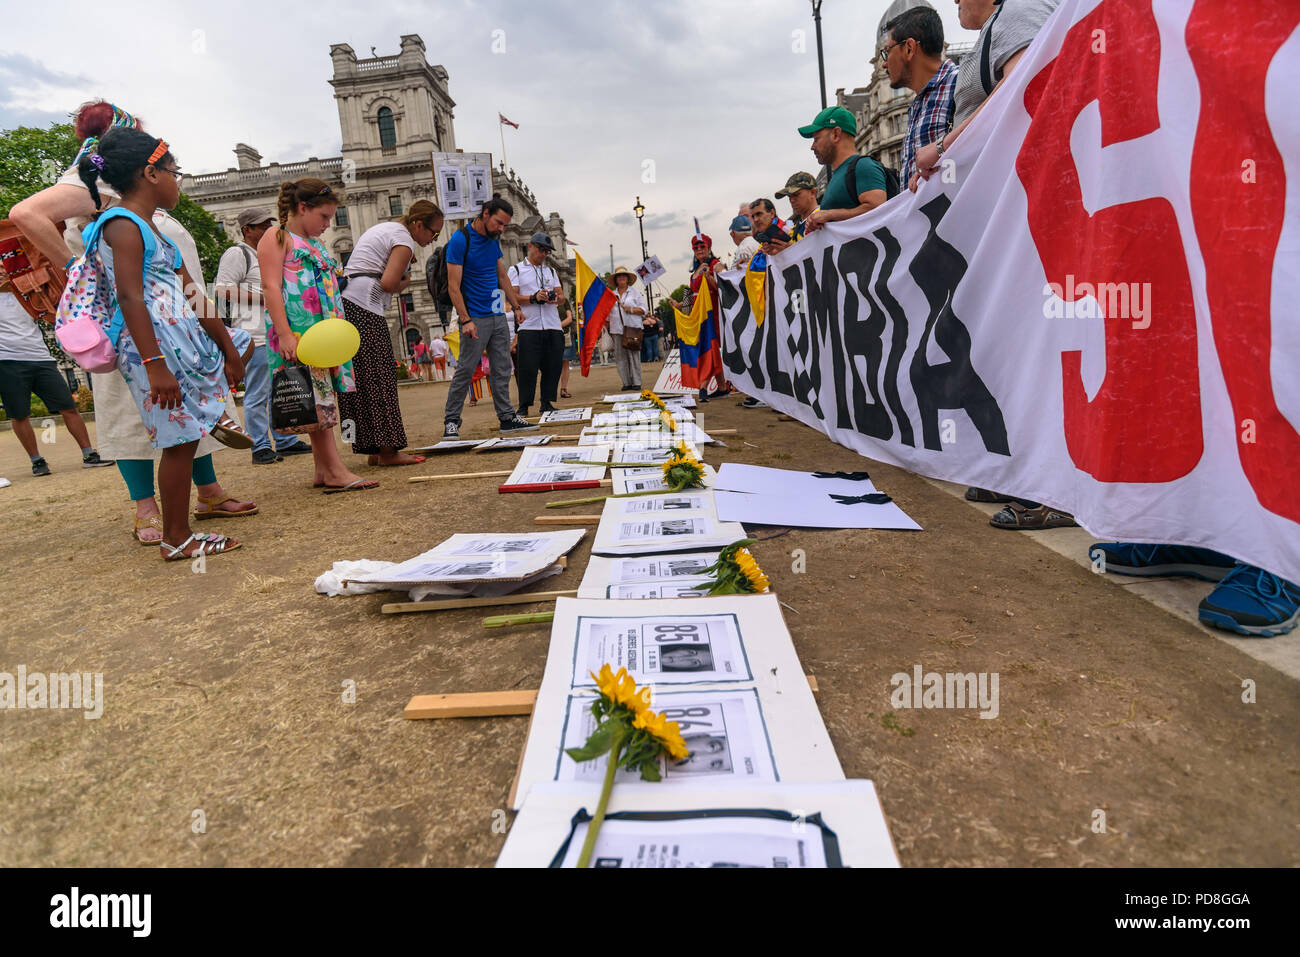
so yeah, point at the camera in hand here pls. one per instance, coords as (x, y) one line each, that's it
(773, 234)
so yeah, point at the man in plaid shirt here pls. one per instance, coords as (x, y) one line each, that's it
(912, 54)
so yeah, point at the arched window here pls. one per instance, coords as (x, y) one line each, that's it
(387, 129)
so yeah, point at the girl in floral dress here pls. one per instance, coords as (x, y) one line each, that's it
(300, 289)
(178, 366)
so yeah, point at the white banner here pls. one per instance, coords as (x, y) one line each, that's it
(1080, 308)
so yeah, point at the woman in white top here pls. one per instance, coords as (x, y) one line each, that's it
(118, 429)
(376, 270)
(628, 313)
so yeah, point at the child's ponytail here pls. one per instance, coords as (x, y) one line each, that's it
(118, 158)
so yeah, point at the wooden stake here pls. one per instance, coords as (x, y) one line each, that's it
(457, 475)
(525, 598)
(487, 704)
(567, 520)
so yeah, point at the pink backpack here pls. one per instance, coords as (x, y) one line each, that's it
(88, 323)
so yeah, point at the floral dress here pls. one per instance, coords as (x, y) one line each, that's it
(311, 294)
(192, 357)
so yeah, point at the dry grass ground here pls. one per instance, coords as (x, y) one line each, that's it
(224, 690)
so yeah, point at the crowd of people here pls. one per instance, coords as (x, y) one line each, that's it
(178, 363)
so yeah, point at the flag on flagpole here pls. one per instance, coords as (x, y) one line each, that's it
(507, 122)
(597, 300)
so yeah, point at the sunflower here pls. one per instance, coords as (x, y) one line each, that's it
(653, 399)
(667, 419)
(749, 568)
(684, 473)
(669, 733)
(680, 451)
(621, 689)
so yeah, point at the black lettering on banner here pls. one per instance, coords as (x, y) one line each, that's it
(862, 337)
(937, 268)
(898, 341)
(729, 296)
(790, 279)
(821, 325)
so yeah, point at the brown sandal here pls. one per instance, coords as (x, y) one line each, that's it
(153, 521)
(1017, 517)
(984, 495)
(214, 503)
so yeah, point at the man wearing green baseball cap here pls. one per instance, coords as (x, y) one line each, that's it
(857, 183)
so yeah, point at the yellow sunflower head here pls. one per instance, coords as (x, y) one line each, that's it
(749, 568)
(668, 732)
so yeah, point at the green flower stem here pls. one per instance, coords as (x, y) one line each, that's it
(501, 621)
(589, 845)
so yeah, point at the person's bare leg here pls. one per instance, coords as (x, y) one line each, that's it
(175, 472)
(391, 456)
(77, 427)
(26, 435)
(330, 469)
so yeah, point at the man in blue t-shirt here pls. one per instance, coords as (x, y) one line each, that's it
(480, 290)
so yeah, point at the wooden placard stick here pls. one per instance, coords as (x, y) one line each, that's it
(487, 704)
(457, 475)
(524, 598)
(567, 520)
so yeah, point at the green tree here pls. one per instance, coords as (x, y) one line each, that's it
(32, 159)
(209, 235)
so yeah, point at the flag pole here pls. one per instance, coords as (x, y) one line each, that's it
(500, 123)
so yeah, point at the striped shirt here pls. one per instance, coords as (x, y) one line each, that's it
(929, 117)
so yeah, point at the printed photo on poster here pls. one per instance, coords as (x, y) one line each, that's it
(676, 649)
(480, 185)
(724, 731)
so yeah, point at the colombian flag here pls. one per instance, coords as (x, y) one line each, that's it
(597, 300)
(700, 351)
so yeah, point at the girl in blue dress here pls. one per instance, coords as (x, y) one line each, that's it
(178, 365)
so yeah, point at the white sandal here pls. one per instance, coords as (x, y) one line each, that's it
(208, 545)
(229, 434)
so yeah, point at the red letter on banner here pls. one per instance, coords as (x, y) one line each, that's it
(1144, 425)
(1238, 221)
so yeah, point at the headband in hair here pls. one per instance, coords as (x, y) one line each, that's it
(121, 120)
(159, 151)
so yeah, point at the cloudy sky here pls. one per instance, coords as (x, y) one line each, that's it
(709, 93)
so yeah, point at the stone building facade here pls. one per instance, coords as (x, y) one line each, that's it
(881, 112)
(393, 111)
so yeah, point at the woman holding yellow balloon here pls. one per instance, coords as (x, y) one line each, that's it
(377, 269)
(300, 289)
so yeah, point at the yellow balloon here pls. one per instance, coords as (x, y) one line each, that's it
(329, 343)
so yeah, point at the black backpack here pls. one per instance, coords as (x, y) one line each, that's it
(435, 273)
(892, 185)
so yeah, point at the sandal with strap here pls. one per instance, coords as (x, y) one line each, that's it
(208, 545)
(229, 434)
(564, 394)
(1016, 517)
(153, 521)
(214, 503)
(984, 495)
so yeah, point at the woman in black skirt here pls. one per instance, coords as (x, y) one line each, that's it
(376, 270)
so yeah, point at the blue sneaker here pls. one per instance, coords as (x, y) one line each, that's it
(1251, 601)
(1128, 558)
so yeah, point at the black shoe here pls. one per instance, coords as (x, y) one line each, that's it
(40, 467)
(265, 457)
(515, 425)
(294, 448)
(451, 430)
(93, 461)
(521, 411)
